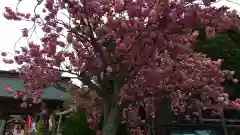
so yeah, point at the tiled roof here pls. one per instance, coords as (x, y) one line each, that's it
(15, 83)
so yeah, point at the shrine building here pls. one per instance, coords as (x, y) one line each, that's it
(10, 110)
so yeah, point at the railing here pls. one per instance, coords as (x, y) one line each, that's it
(223, 121)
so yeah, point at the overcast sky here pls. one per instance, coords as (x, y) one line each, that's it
(10, 31)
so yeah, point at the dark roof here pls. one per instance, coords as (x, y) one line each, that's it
(13, 80)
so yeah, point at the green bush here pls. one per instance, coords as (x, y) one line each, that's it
(76, 124)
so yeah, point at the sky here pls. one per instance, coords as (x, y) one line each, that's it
(10, 31)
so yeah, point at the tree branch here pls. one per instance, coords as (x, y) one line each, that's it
(98, 48)
(86, 80)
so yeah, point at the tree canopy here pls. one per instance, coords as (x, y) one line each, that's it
(125, 52)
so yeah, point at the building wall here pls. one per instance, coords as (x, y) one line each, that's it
(12, 106)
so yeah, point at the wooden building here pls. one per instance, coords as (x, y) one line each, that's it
(206, 123)
(10, 109)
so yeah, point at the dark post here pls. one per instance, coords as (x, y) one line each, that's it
(163, 114)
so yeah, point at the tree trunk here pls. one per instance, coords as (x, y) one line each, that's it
(111, 122)
(106, 110)
(111, 113)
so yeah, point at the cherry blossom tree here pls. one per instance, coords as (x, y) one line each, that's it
(123, 50)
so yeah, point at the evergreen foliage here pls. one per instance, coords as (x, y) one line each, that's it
(76, 124)
(225, 45)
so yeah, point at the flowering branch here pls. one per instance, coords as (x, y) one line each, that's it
(125, 50)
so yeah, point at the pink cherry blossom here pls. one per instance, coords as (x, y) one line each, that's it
(141, 48)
